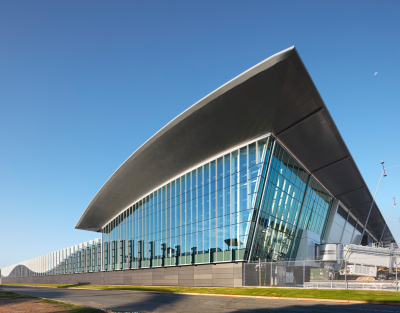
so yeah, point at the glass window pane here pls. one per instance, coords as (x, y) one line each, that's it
(243, 158)
(220, 169)
(200, 177)
(261, 149)
(252, 154)
(235, 161)
(213, 174)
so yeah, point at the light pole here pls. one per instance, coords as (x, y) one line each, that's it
(373, 200)
(394, 203)
(383, 174)
(396, 227)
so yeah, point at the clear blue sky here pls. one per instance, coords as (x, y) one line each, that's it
(84, 83)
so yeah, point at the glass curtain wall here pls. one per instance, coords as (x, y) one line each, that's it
(203, 216)
(209, 214)
(82, 258)
(317, 205)
(344, 228)
(292, 201)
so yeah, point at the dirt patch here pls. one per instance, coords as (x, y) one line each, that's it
(28, 305)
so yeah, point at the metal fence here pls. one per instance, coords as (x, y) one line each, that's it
(312, 274)
(274, 273)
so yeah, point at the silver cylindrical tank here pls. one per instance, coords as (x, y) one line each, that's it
(329, 252)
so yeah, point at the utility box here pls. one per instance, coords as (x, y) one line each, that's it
(279, 275)
(289, 277)
(317, 274)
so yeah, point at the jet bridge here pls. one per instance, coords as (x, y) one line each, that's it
(357, 260)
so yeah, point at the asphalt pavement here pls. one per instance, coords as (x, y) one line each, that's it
(148, 301)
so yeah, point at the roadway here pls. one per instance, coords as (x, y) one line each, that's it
(148, 301)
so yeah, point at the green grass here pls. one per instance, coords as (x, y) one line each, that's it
(359, 295)
(67, 306)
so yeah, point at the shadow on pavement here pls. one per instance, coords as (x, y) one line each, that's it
(324, 308)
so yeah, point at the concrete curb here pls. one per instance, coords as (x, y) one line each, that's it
(238, 296)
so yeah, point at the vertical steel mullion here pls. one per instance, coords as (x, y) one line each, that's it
(345, 223)
(354, 230)
(203, 196)
(231, 209)
(230, 200)
(197, 213)
(209, 213)
(238, 195)
(223, 208)
(323, 232)
(170, 223)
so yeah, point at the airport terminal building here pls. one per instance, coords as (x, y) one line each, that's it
(256, 169)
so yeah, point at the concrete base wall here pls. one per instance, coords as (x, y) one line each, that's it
(207, 275)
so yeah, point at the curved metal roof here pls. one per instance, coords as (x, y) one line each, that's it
(278, 96)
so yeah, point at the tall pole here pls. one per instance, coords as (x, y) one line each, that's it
(394, 203)
(265, 272)
(398, 220)
(396, 271)
(373, 201)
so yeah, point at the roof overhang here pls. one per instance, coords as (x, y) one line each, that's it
(278, 96)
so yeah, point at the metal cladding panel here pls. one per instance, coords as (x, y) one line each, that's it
(278, 96)
(354, 197)
(361, 211)
(342, 177)
(376, 223)
(313, 142)
(387, 235)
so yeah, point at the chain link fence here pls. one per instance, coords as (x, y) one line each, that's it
(312, 274)
(274, 273)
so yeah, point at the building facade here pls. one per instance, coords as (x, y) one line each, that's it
(257, 169)
(81, 258)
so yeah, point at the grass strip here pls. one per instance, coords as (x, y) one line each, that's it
(66, 306)
(355, 295)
